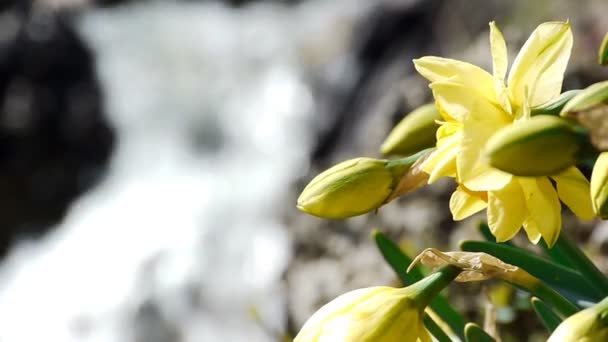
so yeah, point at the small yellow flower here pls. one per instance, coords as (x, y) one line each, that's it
(588, 325)
(370, 314)
(474, 106)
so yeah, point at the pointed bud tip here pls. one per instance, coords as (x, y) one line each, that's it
(415, 132)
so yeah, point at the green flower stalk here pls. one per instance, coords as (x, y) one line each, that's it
(603, 52)
(588, 325)
(377, 313)
(541, 146)
(415, 132)
(360, 185)
(599, 186)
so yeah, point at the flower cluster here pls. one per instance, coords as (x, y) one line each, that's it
(475, 106)
(511, 141)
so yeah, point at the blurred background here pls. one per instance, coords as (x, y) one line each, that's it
(151, 153)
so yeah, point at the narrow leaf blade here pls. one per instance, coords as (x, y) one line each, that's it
(561, 278)
(474, 333)
(549, 318)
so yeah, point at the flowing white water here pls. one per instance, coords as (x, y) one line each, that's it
(183, 237)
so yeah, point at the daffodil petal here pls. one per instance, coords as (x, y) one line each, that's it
(506, 211)
(447, 129)
(532, 231)
(541, 63)
(438, 69)
(500, 62)
(543, 206)
(481, 119)
(442, 161)
(464, 203)
(498, 48)
(460, 101)
(573, 190)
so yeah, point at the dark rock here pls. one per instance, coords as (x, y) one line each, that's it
(54, 138)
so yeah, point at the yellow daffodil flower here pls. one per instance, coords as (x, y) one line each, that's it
(474, 105)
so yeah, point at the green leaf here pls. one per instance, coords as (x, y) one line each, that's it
(556, 253)
(397, 259)
(435, 329)
(399, 262)
(563, 279)
(549, 318)
(568, 253)
(474, 333)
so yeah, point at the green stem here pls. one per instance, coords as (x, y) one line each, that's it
(407, 161)
(428, 288)
(399, 262)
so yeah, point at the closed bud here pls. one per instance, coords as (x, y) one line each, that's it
(589, 98)
(590, 108)
(588, 325)
(415, 132)
(370, 314)
(599, 186)
(377, 313)
(603, 53)
(541, 146)
(357, 186)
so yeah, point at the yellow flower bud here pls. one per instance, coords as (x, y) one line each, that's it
(370, 314)
(590, 108)
(599, 186)
(541, 146)
(590, 97)
(354, 187)
(588, 325)
(377, 313)
(415, 132)
(603, 52)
